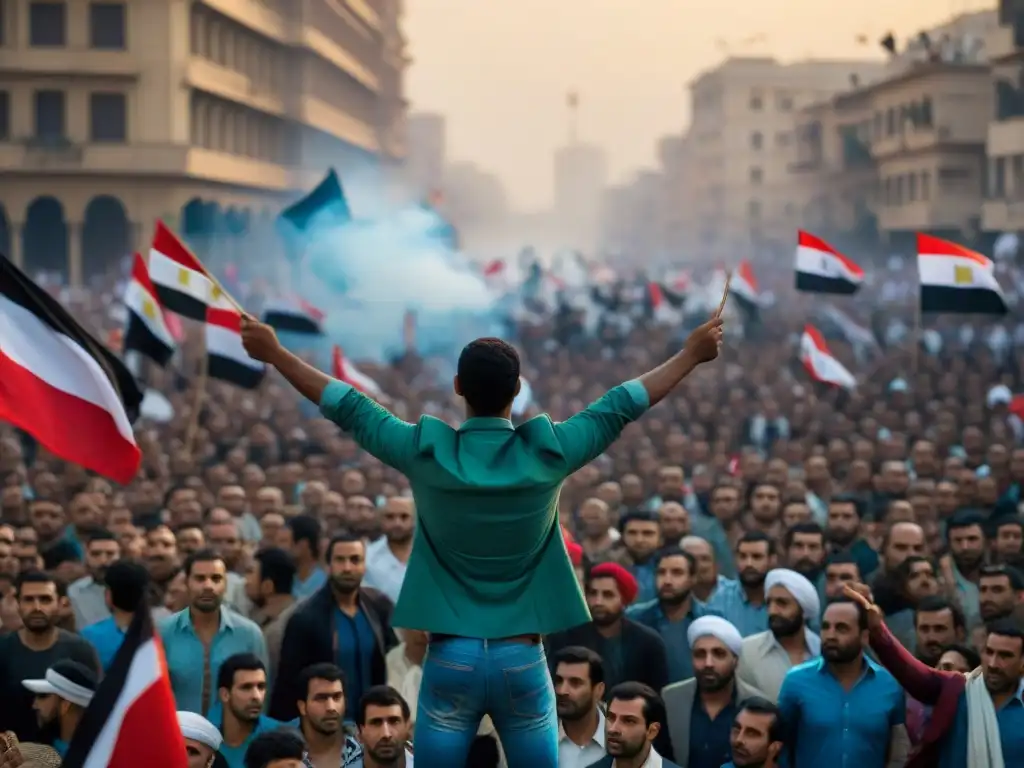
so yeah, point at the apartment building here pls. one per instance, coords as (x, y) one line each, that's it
(115, 114)
(1003, 207)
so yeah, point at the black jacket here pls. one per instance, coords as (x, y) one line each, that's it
(644, 658)
(309, 639)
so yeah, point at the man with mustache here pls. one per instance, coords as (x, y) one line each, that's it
(742, 602)
(843, 704)
(700, 710)
(383, 721)
(242, 691)
(756, 736)
(88, 595)
(767, 657)
(633, 722)
(579, 689)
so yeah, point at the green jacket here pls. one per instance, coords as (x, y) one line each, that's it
(488, 559)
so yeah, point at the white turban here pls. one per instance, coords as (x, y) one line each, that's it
(805, 593)
(198, 728)
(718, 628)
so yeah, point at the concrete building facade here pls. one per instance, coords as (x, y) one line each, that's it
(1003, 206)
(115, 114)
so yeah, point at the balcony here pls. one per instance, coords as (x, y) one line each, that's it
(68, 62)
(61, 156)
(1002, 215)
(208, 76)
(317, 42)
(237, 171)
(1006, 137)
(256, 16)
(320, 115)
(922, 215)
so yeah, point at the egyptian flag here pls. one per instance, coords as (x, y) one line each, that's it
(226, 358)
(178, 277)
(131, 720)
(61, 385)
(820, 363)
(343, 370)
(747, 292)
(957, 280)
(146, 332)
(295, 316)
(820, 268)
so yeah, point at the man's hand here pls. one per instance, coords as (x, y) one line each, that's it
(704, 344)
(259, 340)
(861, 594)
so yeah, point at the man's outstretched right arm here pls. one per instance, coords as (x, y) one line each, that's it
(588, 434)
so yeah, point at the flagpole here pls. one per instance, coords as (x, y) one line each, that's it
(200, 395)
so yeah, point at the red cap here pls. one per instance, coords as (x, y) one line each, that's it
(623, 578)
(575, 553)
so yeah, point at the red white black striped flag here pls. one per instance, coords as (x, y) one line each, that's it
(131, 720)
(147, 332)
(227, 359)
(820, 268)
(61, 385)
(344, 370)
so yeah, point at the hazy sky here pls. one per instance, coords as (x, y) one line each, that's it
(500, 69)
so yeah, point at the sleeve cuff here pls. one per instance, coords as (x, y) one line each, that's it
(332, 395)
(638, 393)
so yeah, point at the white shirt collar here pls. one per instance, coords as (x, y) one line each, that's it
(653, 760)
(597, 738)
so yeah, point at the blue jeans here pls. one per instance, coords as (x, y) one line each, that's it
(465, 679)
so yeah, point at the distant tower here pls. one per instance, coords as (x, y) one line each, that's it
(572, 101)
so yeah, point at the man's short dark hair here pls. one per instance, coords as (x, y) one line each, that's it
(274, 745)
(342, 538)
(381, 696)
(841, 558)
(240, 662)
(39, 577)
(323, 670)
(1006, 627)
(128, 583)
(806, 529)
(862, 614)
(205, 555)
(654, 707)
(761, 706)
(965, 518)
(99, 534)
(577, 654)
(676, 551)
(277, 566)
(859, 506)
(306, 528)
(937, 604)
(636, 516)
(488, 373)
(756, 537)
(970, 655)
(1012, 575)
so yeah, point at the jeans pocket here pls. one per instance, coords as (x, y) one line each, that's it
(530, 693)
(447, 690)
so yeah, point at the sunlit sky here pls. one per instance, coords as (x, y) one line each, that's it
(499, 70)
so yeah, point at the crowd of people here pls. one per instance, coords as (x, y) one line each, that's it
(776, 573)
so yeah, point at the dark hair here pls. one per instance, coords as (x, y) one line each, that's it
(841, 558)
(488, 373)
(323, 670)
(100, 534)
(269, 746)
(937, 604)
(342, 538)
(965, 518)
(172, 491)
(189, 527)
(240, 662)
(862, 614)
(128, 583)
(654, 707)
(38, 577)
(1006, 627)
(1002, 522)
(636, 516)
(277, 566)
(676, 551)
(970, 655)
(802, 528)
(904, 569)
(578, 654)
(756, 537)
(1014, 576)
(761, 706)
(306, 528)
(381, 696)
(850, 498)
(205, 555)
(60, 552)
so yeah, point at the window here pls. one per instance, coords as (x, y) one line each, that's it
(756, 140)
(926, 185)
(756, 175)
(756, 102)
(50, 108)
(106, 26)
(754, 209)
(784, 102)
(108, 120)
(5, 115)
(47, 24)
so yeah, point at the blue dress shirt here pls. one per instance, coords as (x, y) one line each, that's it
(187, 658)
(354, 644)
(730, 602)
(1010, 717)
(106, 637)
(303, 589)
(826, 725)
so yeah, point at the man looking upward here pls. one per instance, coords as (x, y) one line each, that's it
(488, 573)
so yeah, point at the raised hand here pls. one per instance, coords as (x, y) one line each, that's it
(705, 342)
(861, 594)
(259, 340)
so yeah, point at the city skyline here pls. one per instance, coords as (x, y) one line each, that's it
(507, 113)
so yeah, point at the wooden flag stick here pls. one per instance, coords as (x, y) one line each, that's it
(725, 293)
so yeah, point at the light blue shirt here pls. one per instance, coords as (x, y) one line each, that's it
(106, 637)
(303, 589)
(235, 756)
(187, 658)
(826, 725)
(730, 602)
